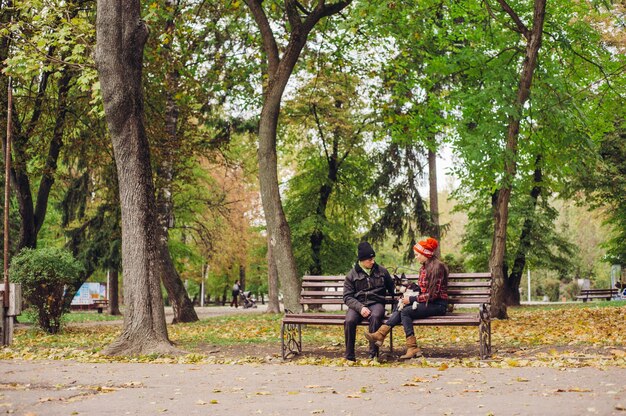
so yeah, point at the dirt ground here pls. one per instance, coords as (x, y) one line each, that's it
(64, 387)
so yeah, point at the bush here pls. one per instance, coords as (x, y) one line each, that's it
(44, 274)
(571, 290)
(550, 288)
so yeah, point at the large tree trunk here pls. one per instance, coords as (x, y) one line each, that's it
(273, 305)
(279, 71)
(501, 211)
(121, 36)
(278, 229)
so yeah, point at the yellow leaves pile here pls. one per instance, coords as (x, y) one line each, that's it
(564, 337)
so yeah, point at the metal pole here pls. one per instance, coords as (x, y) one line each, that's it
(202, 288)
(7, 172)
(529, 284)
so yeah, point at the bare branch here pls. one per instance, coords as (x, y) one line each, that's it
(319, 129)
(521, 27)
(269, 42)
(291, 6)
(323, 10)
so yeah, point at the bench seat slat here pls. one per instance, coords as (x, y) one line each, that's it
(469, 320)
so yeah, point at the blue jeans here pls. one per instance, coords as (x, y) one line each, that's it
(408, 314)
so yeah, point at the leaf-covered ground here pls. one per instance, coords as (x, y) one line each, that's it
(567, 336)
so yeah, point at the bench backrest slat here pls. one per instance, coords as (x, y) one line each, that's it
(463, 288)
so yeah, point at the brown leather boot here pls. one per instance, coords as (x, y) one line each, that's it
(379, 336)
(411, 349)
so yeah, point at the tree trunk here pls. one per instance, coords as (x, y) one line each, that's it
(278, 229)
(242, 277)
(279, 71)
(178, 297)
(501, 211)
(121, 36)
(273, 305)
(114, 298)
(182, 306)
(31, 215)
(317, 236)
(515, 278)
(434, 197)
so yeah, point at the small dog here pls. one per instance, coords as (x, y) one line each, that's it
(407, 289)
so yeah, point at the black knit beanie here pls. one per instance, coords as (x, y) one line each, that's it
(365, 251)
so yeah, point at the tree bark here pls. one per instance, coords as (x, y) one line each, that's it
(501, 211)
(121, 36)
(273, 305)
(279, 71)
(114, 298)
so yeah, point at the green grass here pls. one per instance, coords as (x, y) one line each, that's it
(29, 317)
(572, 305)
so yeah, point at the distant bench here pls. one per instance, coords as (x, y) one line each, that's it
(463, 288)
(589, 294)
(98, 304)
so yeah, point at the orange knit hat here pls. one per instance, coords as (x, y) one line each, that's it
(426, 247)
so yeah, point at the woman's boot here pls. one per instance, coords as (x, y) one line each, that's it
(411, 349)
(378, 337)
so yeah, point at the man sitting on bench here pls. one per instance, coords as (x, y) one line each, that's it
(364, 291)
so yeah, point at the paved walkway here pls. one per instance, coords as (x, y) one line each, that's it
(71, 388)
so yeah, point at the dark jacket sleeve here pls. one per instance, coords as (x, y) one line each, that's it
(349, 292)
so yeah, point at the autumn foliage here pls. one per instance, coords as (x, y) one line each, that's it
(564, 336)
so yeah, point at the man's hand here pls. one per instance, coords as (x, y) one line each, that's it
(365, 312)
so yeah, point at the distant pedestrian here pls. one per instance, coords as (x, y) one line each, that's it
(235, 293)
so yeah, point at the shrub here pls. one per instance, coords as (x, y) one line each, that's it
(44, 274)
(550, 288)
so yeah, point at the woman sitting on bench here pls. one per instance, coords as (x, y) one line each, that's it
(432, 300)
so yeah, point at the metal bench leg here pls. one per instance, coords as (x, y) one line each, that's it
(291, 340)
(391, 340)
(484, 332)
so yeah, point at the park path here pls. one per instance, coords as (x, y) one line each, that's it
(65, 387)
(70, 388)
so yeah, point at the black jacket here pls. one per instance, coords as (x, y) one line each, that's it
(360, 290)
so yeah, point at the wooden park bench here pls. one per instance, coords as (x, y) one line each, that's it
(590, 294)
(98, 304)
(317, 291)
